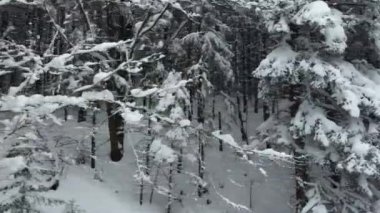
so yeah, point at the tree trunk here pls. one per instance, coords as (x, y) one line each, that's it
(170, 185)
(201, 159)
(220, 129)
(116, 132)
(180, 161)
(154, 183)
(256, 94)
(93, 142)
(266, 111)
(147, 152)
(251, 194)
(213, 107)
(82, 115)
(241, 120)
(300, 160)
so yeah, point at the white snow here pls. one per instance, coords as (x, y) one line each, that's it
(161, 152)
(226, 138)
(329, 21)
(272, 154)
(358, 147)
(101, 76)
(319, 209)
(40, 104)
(139, 93)
(60, 61)
(104, 95)
(3, 2)
(102, 47)
(93, 196)
(314, 11)
(312, 120)
(9, 166)
(130, 116)
(280, 62)
(263, 172)
(184, 123)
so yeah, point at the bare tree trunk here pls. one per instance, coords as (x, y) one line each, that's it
(251, 194)
(82, 115)
(213, 107)
(236, 65)
(180, 161)
(147, 152)
(93, 142)
(266, 111)
(256, 94)
(141, 191)
(116, 132)
(154, 184)
(241, 120)
(201, 159)
(220, 129)
(300, 160)
(170, 185)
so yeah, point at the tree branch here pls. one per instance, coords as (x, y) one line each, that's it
(142, 32)
(57, 27)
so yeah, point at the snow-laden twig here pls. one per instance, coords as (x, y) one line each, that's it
(86, 18)
(51, 45)
(57, 27)
(234, 205)
(141, 32)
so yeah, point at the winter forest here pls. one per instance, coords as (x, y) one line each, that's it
(189, 106)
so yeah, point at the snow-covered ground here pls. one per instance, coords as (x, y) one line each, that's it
(116, 191)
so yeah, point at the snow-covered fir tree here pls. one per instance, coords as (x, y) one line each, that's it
(329, 104)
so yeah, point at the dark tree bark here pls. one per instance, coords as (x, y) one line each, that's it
(154, 184)
(266, 111)
(180, 161)
(147, 152)
(220, 129)
(93, 142)
(170, 185)
(201, 159)
(116, 132)
(213, 107)
(251, 194)
(256, 94)
(243, 132)
(82, 113)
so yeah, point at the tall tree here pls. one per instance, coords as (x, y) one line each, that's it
(326, 104)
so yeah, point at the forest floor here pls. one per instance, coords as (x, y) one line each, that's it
(112, 188)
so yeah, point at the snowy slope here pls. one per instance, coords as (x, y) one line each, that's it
(232, 180)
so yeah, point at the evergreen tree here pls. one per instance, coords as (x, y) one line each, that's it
(33, 171)
(328, 106)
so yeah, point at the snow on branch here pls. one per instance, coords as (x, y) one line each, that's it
(40, 104)
(272, 154)
(33, 2)
(269, 153)
(226, 138)
(328, 20)
(230, 203)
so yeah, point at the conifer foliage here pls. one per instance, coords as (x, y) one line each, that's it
(332, 105)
